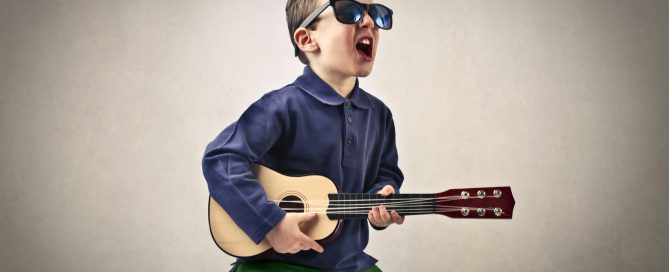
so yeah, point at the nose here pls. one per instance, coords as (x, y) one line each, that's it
(367, 21)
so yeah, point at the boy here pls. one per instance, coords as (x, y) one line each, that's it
(322, 123)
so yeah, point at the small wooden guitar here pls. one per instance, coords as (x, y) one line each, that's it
(318, 194)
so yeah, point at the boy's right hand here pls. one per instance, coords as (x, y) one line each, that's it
(286, 237)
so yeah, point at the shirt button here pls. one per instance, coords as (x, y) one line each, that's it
(350, 120)
(347, 105)
(350, 139)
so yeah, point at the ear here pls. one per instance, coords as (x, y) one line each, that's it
(304, 41)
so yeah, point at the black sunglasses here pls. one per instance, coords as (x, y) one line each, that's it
(352, 12)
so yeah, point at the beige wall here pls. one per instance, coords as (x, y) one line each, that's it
(106, 108)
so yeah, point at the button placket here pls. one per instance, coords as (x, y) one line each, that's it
(349, 158)
(348, 113)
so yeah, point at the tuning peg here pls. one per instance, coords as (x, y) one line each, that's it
(464, 194)
(480, 194)
(464, 211)
(481, 211)
(498, 212)
(497, 193)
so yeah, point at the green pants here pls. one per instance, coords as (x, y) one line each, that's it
(274, 266)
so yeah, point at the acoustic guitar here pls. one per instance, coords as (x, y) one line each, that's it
(318, 194)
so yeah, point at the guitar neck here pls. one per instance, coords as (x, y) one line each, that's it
(357, 206)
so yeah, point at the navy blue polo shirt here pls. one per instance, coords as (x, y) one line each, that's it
(305, 128)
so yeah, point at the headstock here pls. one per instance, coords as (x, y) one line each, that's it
(488, 202)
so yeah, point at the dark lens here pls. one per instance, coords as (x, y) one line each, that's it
(383, 16)
(348, 12)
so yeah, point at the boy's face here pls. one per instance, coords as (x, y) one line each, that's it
(345, 49)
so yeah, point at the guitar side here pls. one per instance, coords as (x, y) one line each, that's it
(311, 191)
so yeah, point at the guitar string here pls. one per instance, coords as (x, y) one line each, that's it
(394, 200)
(403, 213)
(446, 198)
(424, 207)
(414, 205)
(387, 205)
(387, 208)
(336, 210)
(423, 211)
(359, 202)
(383, 198)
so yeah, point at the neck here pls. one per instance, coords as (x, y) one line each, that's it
(342, 84)
(357, 206)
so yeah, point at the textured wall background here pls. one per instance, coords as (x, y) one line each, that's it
(106, 108)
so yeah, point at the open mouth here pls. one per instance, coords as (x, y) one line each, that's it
(364, 46)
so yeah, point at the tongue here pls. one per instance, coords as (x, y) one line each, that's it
(361, 51)
(362, 48)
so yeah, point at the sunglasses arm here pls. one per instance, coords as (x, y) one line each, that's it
(314, 14)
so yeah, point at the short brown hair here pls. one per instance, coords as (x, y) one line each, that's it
(296, 12)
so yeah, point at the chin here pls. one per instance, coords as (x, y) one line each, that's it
(364, 71)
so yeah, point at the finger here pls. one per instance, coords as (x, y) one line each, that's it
(397, 218)
(376, 218)
(311, 244)
(384, 215)
(370, 217)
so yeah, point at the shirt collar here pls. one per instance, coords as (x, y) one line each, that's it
(316, 87)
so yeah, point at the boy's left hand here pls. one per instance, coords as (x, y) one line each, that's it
(379, 216)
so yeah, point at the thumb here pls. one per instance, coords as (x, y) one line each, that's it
(386, 191)
(307, 217)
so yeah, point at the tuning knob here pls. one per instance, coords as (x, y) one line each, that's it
(464, 194)
(497, 193)
(480, 194)
(481, 211)
(464, 211)
(498, 212)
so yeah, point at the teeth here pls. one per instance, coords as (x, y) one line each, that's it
(365, 41)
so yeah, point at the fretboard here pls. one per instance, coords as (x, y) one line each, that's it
(357, 206)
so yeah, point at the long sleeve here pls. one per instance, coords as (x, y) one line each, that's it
(389, 172)
(226, 167)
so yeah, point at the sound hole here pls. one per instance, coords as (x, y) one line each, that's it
(292, 203)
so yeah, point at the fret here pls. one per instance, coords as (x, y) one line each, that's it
(346, 206)
(352, 207)
(356, 209)
(360, 205)
(369, 204)
(389, 201)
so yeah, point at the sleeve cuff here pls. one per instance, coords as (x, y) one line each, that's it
(261, 231)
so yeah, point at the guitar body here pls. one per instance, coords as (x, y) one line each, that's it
(312, 189)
